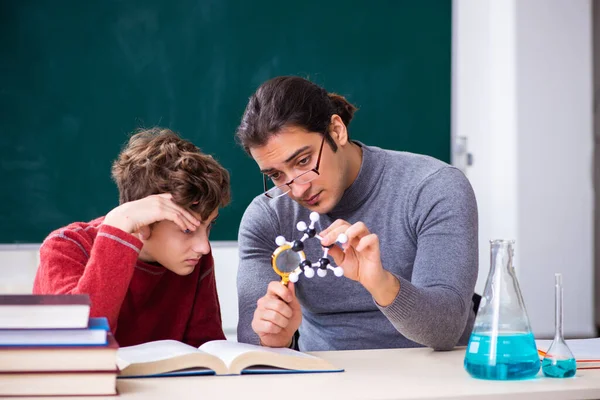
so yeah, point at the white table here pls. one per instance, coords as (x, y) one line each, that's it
(370, 374)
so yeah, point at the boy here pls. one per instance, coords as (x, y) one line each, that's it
(147, 265)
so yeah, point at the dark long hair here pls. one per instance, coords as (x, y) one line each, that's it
(290, 101)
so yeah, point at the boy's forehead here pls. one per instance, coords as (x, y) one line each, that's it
(211, 216)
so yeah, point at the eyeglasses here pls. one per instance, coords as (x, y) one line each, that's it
(303, 178)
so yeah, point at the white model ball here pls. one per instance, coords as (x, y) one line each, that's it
(342, 238)
(293, 277)
(309, 272)
(314, 216)
(322, 272)
(280, 240)
(338, 271)
(301, 226)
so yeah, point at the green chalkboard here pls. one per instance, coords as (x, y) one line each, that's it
(76, 77)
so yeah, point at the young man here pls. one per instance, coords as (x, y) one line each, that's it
(411, 220)
(147, 265)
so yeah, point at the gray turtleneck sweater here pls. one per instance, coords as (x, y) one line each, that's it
(425, 215)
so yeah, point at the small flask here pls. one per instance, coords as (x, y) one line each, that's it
(502, 346)
(559, 361)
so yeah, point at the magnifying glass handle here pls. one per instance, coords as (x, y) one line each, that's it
(285, 280)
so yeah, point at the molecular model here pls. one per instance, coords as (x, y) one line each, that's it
(297, 246)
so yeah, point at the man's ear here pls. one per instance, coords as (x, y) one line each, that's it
(144, 233)
(338, 130)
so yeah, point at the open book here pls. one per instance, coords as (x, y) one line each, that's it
(220, 357)
(585, 351)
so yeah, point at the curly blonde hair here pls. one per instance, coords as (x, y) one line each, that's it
(158, 161)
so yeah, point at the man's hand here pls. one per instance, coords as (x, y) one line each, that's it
(135, 216)
(361, 259)
(277, 315)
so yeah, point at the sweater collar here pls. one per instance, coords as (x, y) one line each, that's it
(150, 268)
(371, 170)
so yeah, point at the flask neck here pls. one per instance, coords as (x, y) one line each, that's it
(558, 309)
(502, 252)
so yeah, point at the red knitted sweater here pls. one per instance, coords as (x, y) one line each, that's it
(143, 302)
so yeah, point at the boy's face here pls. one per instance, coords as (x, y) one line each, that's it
(293, 151)
(176, 250)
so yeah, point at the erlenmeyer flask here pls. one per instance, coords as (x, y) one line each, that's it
(502, 346)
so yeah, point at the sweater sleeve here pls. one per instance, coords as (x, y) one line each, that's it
(256, 242)
(205, 322)
(71, 264)
(433, 307)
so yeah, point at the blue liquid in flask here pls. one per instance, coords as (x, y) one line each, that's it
(516, 356)
(559, 368)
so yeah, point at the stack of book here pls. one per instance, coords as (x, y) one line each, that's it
(50, 347)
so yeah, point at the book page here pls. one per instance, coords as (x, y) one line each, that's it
(152, 351)
(228, 351)
(582, 349)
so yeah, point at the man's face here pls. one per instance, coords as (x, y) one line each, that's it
(176, 250)
(294, 151)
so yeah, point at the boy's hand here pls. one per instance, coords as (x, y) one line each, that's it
(277, 316)
(135, 216)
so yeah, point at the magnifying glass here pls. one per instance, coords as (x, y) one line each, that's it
(287, 262)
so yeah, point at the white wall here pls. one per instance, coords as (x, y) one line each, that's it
(18, 264)
(226, 263)
(523, 98)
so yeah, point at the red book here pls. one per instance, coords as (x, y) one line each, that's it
(68, 311)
